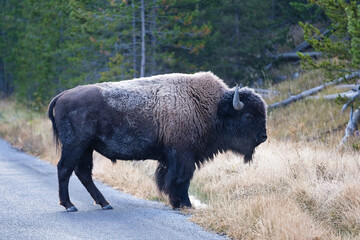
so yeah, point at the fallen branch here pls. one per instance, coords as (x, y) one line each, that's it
(356, 95)
(302, 47)
(305, 45)
(312, 91)
(346, 86)
(348, 94)
(265, 93)
(351, 127)
(292, 56)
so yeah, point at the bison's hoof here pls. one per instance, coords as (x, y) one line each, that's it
(72, 209)
(107, 207)
(186, 207)
(181, 208)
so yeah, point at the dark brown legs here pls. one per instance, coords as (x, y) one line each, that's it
(69, 162)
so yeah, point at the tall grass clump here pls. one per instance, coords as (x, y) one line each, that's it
(26, 129)
(288, 188)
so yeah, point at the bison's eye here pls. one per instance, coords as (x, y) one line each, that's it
(248, 116)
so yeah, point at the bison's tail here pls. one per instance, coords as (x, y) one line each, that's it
(50, 114)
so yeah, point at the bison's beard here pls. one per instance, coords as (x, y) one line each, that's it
(248, 155)
(246, 149)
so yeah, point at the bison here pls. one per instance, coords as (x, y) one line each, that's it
(180, 120)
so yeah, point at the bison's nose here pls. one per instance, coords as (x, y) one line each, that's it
(263, 138)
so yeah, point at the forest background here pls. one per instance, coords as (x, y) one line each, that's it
(47, 46)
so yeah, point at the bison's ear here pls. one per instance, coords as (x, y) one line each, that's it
(226, 107)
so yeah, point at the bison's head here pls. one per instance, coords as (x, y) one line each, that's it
(243, 119)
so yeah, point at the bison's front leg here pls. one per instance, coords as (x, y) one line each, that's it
(179, 198)
(174, 175)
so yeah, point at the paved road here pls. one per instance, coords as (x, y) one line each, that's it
(29, 209)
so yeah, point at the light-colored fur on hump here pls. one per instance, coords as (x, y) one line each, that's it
(181, 106)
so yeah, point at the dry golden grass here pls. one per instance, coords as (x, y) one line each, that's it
(28, 130)
(132, 177)
(291, 191)
(298, 187)
(292, 87)
(311, 120)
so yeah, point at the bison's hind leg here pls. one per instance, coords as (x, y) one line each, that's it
(69, 159)
(84, 172)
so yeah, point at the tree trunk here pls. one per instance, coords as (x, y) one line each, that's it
(153, 39)
(134, 38)
(237, 35)
(142, 67)
(2, 76)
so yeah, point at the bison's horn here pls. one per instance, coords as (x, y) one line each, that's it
(237, 104)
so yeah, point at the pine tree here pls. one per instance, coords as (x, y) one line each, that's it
(339, 47)
(341, 54)
(181, 35)
(47, 46)
(244, 32)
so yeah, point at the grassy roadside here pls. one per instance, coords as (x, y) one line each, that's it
(314, 121)
(299, 186)
(290, 187)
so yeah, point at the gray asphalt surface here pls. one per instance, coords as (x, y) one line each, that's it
(29, 208)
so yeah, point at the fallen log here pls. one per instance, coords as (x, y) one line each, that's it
(348, 94)
(351, 127)
(265, 93)
(292, 56)
(305, 45)
(355, 96)
(346, 86)
(312, 91)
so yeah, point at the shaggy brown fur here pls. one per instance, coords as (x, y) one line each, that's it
(180, 105)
